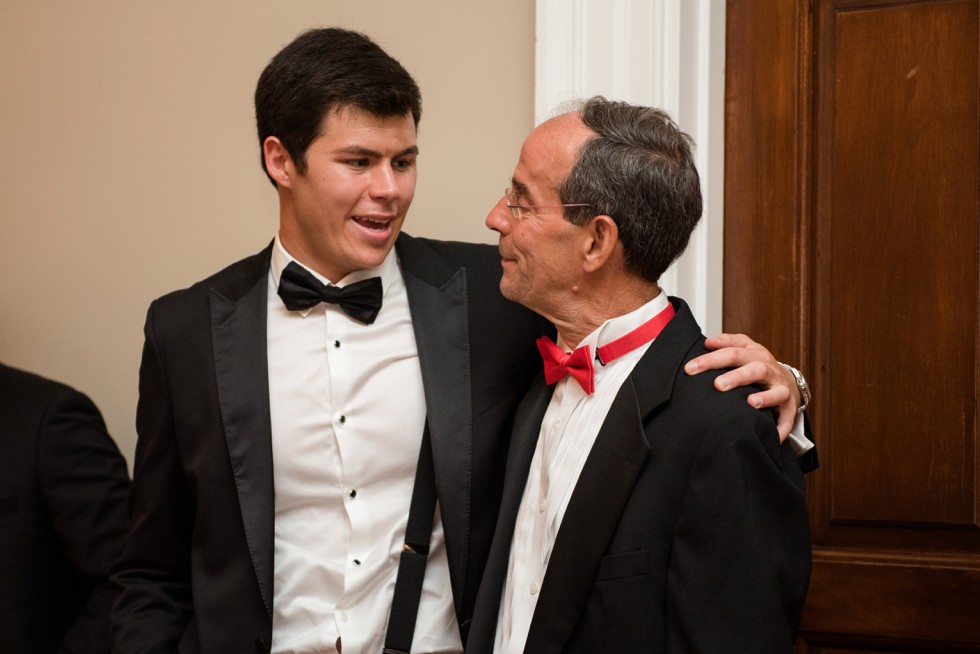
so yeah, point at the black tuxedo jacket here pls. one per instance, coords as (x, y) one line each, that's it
(686, 532)
(197, 573)
(63, 492)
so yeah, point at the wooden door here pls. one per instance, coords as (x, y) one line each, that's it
(851, 246)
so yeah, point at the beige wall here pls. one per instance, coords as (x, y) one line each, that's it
(131, 168)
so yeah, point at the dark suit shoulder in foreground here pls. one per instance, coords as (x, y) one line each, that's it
(63, 517)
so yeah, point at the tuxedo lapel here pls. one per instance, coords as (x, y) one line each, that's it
(238, 333)
(437, 298)
(524, 440)
(605, 484)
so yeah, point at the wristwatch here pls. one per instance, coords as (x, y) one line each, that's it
(801, 384)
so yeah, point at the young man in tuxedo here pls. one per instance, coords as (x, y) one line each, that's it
(643, 511)
(282, 408)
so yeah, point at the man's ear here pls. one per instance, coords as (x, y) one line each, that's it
(278, 163)
(602, 243)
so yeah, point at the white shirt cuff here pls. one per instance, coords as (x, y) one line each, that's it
(800, 443)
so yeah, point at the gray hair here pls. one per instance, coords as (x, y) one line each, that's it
(639, 170)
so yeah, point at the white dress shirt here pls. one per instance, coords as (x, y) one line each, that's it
(347, 410)
(568, 431)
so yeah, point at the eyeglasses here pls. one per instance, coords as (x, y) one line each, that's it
(516, 206)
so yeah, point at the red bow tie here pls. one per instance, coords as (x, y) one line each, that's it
(558, 364)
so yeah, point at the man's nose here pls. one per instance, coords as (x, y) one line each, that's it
(499, 217)
(383, 182)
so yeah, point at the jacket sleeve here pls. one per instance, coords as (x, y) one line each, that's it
(85, 485)
(740, 555)
(154, 606)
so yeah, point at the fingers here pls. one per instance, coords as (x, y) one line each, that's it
(781, 398)
(751, 363)
(731, 351)
(753, 372)
(778, 396)
(756, 359)
(790, 382)
(786, 420)
(727, 357)
(729, 340)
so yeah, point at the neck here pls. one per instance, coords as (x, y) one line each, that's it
(587, 310)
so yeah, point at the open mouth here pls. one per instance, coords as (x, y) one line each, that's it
(374, 224)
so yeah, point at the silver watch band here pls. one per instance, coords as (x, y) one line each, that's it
(801, 384)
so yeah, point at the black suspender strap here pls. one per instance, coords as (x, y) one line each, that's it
(415, 552)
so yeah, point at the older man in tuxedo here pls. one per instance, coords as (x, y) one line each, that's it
(643, 511)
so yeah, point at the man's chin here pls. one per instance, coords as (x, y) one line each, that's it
(509, 291)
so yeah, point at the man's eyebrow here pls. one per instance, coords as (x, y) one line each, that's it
(368, 152)
(519, 188)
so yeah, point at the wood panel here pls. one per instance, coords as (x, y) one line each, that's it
(894, 598)
(763, 294)
(896, 229)
(852, 244)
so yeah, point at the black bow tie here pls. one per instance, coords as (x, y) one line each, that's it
(300, 290)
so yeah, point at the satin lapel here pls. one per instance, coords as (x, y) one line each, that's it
(527, 426)
(605, 485)
(238, 332)
(438, 302)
